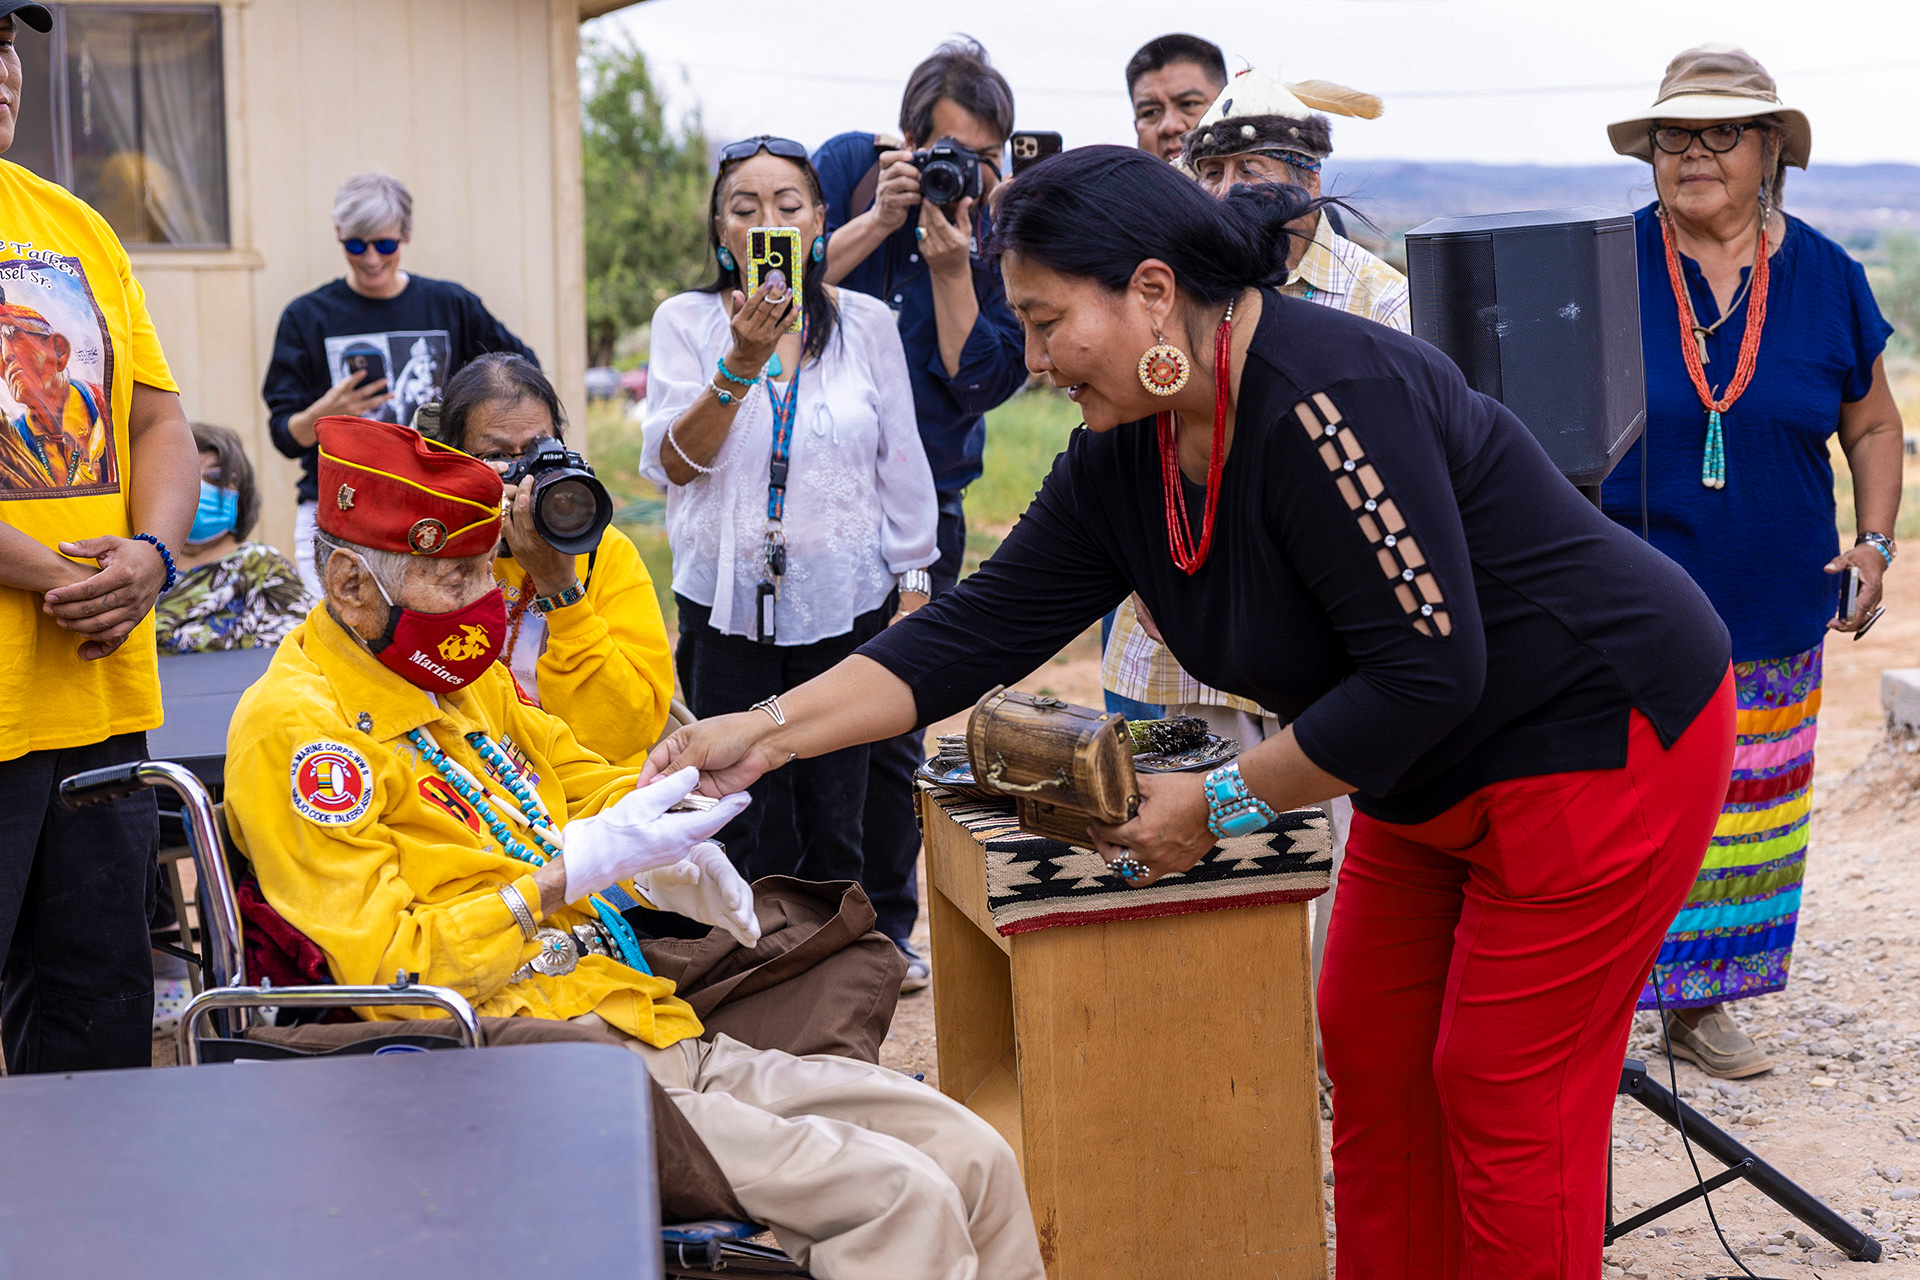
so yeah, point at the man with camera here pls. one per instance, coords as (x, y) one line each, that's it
(905, 220)
(584, 638)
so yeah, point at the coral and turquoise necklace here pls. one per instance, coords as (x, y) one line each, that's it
(1713, 463)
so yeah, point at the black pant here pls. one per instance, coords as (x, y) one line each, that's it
(892, 831)
(805, 818)
(76, 888)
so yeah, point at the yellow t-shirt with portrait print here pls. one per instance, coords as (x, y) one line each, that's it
(74, 338)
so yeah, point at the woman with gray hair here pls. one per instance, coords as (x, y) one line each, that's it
(1762, 342)
(377, 343)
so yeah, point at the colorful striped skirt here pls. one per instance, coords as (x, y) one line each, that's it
(1734, 936)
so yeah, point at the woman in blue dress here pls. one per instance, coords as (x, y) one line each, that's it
(1762, 341)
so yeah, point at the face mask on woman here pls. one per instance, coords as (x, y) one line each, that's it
(215, 515)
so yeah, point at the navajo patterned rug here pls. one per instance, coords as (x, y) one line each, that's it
(1037, 883)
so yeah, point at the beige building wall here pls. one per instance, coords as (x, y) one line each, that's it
(473, 103)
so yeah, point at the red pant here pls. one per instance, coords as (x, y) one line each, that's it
(1479, 985)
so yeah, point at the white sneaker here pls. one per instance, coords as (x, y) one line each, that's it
(919, 973)
(170, 996)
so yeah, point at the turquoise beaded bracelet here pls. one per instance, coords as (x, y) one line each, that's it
(730, 375)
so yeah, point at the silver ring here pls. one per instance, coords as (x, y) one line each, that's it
(1128, 867)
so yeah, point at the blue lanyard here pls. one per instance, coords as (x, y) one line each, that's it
(785, 409)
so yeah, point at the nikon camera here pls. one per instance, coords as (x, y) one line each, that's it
(571, 508)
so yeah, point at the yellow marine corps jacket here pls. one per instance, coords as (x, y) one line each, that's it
(363, 846)
(605, 666)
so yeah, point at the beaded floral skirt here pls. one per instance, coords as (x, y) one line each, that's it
(1734, 936)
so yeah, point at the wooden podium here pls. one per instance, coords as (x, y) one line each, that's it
(1156, 1077)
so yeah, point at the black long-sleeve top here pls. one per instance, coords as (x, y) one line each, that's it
(416, 340)
(1396, 567)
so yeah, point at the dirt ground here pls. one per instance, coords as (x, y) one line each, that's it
(1840, 1112)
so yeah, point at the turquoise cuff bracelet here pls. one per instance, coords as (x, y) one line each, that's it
(1232, 810)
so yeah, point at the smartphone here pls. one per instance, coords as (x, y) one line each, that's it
(368, 363)
(1849, 594)
(1030, 148)
(776, 249)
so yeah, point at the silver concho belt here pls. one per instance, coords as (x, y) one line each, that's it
(560, 951)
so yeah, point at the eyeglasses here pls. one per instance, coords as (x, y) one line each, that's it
(501, 460)
(747, 148)
(1717, 138)
(357, 246)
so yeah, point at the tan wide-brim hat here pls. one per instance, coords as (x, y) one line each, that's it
(1714, 82)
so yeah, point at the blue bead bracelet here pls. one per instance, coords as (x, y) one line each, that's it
(166, 558)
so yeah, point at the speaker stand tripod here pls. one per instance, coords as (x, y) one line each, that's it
(1741, 1163)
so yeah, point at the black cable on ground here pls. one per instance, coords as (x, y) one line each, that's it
(1680, 1123)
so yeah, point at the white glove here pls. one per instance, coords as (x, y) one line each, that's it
(704, 887)
(638, 834)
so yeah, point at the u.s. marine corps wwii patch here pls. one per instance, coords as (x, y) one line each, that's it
(331, 783)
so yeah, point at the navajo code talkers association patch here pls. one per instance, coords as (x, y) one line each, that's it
(331, 783)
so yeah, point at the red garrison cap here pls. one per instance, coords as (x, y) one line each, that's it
(392, 489)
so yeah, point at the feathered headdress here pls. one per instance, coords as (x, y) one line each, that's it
(1256, 112)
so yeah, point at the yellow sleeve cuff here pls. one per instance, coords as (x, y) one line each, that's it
(575, 622)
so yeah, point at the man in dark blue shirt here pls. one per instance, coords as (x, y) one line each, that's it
(964, 356)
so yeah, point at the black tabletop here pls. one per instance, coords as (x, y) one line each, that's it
(199, 692)
(535, 1160)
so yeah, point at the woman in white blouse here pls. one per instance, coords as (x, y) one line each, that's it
(776, 584)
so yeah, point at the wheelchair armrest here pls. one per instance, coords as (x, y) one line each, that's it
(330, 997)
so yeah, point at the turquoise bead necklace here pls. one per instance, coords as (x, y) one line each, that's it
(533, 814)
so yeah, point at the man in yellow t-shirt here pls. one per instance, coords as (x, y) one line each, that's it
(98, 474)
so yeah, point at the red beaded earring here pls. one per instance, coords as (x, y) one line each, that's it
(1164, 368)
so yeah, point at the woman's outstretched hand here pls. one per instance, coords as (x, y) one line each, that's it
(727, 750)
(1169, 833)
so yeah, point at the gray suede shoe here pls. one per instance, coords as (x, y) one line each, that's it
(1718, 1046)
(919, 973)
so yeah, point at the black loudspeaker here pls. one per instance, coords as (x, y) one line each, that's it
(1541, 311)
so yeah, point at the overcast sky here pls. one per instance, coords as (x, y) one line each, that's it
(1509, 81)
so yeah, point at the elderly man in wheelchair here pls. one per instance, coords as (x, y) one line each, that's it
(407, 808)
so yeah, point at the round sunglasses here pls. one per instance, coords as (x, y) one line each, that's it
(356, 246)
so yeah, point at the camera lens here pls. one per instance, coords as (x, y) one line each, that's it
(567, 506)
(941, 182)
(571, 509)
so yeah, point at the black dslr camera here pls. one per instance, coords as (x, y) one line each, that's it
(949, 171)
(571, 508)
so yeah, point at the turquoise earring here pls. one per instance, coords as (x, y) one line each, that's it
(819, 248)
(726, 259)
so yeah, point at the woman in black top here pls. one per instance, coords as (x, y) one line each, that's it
(1529, 705)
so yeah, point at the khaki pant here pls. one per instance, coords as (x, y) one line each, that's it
(862, 1173)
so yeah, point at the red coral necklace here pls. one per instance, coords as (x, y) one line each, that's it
(1188, 557)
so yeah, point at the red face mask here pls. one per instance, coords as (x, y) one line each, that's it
(441, 652)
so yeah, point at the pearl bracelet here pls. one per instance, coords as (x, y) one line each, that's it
(697, 468)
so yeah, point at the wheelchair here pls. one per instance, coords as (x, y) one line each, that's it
(216, 1024)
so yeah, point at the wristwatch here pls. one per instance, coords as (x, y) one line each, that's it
(917, 582)
(1879, 542)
